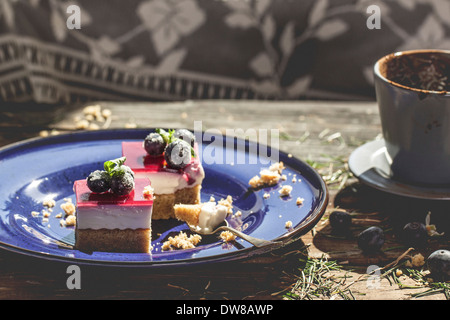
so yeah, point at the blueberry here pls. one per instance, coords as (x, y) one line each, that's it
(178, 154)
(414, 234)
(439, 265)
(185, 135)
(122, 184)
(127, 169)
(340, 221)
(98, 181)
(371, 239)
(154, 144)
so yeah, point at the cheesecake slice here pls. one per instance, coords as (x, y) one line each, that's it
(111, 223)
(171, 186)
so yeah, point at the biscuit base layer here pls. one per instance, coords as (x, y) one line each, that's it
(115, 240)
(163, 203)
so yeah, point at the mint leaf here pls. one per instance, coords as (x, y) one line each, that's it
(113, 167)
(167, 136)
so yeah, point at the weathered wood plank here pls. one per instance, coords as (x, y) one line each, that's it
(309, 130)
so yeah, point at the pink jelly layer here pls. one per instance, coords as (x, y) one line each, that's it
(86, 198)
(140, 162)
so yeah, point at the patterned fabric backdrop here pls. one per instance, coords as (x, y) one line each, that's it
(206, 49)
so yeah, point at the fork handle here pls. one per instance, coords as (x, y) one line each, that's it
(255, 241)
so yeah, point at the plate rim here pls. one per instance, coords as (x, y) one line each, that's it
(73, 136)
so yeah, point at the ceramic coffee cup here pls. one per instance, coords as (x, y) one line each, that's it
(414, 103)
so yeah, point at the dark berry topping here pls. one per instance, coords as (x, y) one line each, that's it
(116, 178)
(154, 144)
(178, 154)
(98, 181)
(185, 135)
(122, 184)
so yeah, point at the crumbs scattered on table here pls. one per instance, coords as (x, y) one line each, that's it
(94, 118)
(288, 224)
(299, 201)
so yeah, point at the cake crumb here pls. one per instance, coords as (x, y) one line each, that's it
(300, 201)
(288, 224)
(284, 177)
(148, 192)
(68, 208)
(70, 220)
(238, 214)
(278, 167)
(49, 203)
(228, 203)
(181, 241)
(130, 125)
(35, 213)
(285, 191)
(266, 195)
(268, 177)
(227, 236)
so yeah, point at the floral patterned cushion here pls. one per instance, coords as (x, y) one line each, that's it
(205, 49)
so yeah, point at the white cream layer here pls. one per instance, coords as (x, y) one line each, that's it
(114, 217)
(211, 216)
(168, 182)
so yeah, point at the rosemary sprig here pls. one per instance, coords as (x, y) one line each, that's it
(316, 281)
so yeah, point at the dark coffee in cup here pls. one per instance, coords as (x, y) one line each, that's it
(422, 70)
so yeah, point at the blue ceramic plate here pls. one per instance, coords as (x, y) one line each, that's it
(36, 169)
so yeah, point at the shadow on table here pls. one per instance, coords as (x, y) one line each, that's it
(264, 277)
(371, 207)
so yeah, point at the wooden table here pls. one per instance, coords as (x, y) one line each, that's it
(322, 133)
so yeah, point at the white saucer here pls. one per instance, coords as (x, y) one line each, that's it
(369, 164)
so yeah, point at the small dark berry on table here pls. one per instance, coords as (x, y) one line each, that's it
(439, 265)
(340, 221)
(371, 239)
(415, 234)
